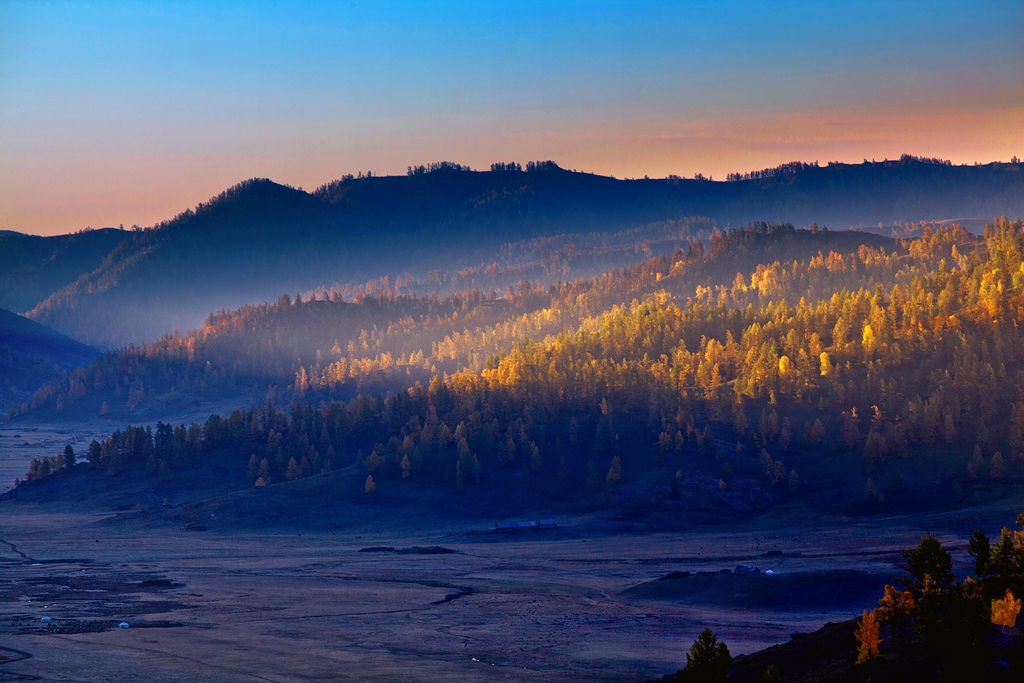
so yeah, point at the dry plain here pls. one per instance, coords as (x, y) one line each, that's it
(378, 599)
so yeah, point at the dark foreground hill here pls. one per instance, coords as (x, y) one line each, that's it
(29, 338)
(260, 239)
(829, 655)
(28, 353)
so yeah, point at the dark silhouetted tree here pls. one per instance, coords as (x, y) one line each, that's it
(708, 660)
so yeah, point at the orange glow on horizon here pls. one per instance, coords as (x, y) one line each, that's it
(139, 190)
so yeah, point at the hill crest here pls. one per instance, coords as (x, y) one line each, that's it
(260, 238)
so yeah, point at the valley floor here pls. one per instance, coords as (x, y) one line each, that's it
(415, 594)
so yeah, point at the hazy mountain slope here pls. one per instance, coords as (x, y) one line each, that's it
(838, 194)
(391, 338)
(260, 239)
(880, 192)
(28, 353)
(30, 338)
(33, 267)
(251, 243)
(824, 374)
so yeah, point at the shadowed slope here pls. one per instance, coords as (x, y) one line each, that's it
(260, 239)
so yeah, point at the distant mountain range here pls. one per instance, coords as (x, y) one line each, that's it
(260, 239)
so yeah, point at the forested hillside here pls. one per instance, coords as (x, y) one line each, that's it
(724, 364)
(341, 341)
(260, 239)
(32, 267)
(32, 355)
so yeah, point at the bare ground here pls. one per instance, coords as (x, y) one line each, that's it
(580, 602)
(312, 580)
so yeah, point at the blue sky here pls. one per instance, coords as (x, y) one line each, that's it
(129, 112)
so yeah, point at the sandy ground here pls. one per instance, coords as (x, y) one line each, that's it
(572, 603)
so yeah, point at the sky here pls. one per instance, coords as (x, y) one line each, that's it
(128, 113)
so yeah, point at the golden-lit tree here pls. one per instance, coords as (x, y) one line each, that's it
(895, 605)
(868, 638)
(1005, 610)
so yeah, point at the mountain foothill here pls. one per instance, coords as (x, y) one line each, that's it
(540, 336)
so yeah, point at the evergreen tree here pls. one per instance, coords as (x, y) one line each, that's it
(928, 560)
(708, 660)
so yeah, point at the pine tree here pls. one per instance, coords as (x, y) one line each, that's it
(536, 463)
(979, 548)
(975, 464)
(932, 561)
(995, 471)
(373, 462)
(871, 491)
(614, 476)
(254, 468)
(708, 660)
(851, 429)
(95, 452)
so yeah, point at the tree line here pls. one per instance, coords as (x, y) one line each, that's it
(932, 359)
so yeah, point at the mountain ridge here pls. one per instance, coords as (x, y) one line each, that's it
(260, 238)
(32, 267)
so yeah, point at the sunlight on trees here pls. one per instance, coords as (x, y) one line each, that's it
(1005, 610)
(868, 638)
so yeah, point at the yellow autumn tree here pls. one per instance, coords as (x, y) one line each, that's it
(614, 476)
(371, 485)
(895, 604)
(868, 339)
(373, 462)
(868, 638)
(825, 363)
(1005, 610)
